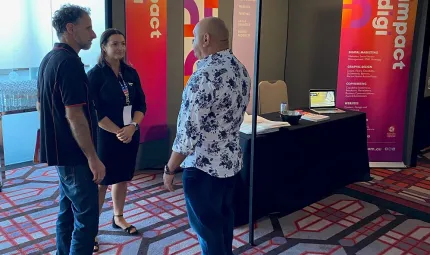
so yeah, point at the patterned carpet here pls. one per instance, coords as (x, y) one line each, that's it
(363, 219)
(410, 187)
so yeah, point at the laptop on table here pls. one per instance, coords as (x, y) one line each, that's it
(323, 101)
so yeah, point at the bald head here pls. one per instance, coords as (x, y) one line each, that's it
(216, 29)
(211, 36)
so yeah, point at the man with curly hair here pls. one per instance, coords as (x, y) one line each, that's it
(66, 137)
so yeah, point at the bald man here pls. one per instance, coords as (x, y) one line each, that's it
(207, 140)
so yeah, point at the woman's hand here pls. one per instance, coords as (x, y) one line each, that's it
(126, 133)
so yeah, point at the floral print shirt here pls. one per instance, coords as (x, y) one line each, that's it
(213, 106)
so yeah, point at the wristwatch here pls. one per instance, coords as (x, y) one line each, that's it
(135, 125)
(167, 170)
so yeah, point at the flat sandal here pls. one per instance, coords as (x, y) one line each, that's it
(96, 246)
(127, 230)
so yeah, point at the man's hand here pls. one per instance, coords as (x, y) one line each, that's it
(174, 163)
(126, 133)
(168, 182)
(98, 169)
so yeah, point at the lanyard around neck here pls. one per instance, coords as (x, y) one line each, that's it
(124, 88)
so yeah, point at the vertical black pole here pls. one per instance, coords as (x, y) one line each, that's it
(254, 120)
(108, 14)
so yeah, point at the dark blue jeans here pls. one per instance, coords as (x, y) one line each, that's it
(78, 219)
(209, 203)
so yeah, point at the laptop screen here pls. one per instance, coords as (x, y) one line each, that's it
(322, 98)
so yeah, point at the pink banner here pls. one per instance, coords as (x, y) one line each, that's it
(374, 64)
(243, 44)
(146, 31)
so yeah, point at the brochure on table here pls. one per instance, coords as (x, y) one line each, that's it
(263, 125)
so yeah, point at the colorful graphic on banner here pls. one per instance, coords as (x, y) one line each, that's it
(374, 63)
(194, 11)
(146, 31)
(243, 44)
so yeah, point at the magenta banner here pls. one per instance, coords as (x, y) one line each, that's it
(244, 24)
(147, 52)
(374, 64)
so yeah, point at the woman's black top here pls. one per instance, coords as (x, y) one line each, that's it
(109, 100)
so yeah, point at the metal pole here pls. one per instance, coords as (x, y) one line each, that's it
(108, 14)
(254, 119)
(2, 159)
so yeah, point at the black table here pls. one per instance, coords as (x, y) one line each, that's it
(299, 165)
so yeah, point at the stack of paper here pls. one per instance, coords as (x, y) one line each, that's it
(314, 117)
(263, 125)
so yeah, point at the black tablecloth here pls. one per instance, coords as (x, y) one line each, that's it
(299, 165)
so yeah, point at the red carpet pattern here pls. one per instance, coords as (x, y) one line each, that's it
(337, 225)
(408, 187)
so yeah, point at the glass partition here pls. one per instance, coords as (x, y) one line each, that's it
(26, 35)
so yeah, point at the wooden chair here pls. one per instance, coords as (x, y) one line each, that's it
(271, 95)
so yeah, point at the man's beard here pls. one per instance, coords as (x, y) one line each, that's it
(85, 46)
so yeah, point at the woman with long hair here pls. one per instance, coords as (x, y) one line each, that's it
(120, 104)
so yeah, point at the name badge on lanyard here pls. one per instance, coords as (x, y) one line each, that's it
(126, 113)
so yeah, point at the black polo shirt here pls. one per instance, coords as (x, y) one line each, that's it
(62, 83)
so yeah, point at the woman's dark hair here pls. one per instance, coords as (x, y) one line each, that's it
(104, 38)
(68, 13)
